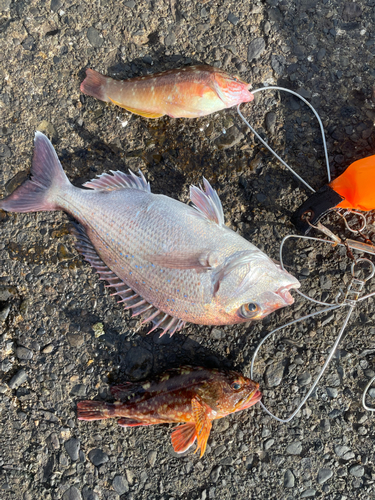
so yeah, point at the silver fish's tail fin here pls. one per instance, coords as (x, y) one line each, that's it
(47, 177)
(95, 85)
(95, 410)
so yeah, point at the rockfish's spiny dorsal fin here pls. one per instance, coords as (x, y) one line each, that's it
(207, 202)
(119, 180)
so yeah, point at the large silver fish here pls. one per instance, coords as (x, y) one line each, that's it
(169, 262)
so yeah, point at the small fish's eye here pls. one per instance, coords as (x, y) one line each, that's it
(249, 310)
(235, 78)
(236, 386)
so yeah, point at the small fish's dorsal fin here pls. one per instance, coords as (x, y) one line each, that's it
(183, 437)
(207, 202)
(203, 424)
(119, 180)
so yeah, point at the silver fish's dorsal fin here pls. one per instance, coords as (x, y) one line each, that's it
(207, 202)
(119, 180)
(130, 298)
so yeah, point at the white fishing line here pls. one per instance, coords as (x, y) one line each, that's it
(273, 152)
(350, 299)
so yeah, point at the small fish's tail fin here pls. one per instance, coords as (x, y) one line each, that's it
(95, 85)
(47, 177)
(95, 410)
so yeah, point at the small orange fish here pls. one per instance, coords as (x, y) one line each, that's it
(187, 394)
(353, 189)
(187, 92)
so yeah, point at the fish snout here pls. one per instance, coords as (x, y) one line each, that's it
(284, 292)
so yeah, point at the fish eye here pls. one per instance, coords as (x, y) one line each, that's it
(249, 310)
(236, 386)
(235, 78)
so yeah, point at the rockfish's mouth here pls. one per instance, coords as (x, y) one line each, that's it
(251, 400)
(284, 293)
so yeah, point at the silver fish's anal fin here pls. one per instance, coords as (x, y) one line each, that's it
(119, 180)
(202, 261)
(207, 203)
(131, 299)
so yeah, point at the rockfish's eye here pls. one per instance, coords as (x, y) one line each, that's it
(249, 310)
(236, 386)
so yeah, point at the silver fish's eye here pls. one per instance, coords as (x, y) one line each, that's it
(236, 386)
(249, 310)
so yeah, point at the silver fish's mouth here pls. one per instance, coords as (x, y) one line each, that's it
(284, 293)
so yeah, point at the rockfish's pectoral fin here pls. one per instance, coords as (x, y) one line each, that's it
(203, 424)
(131, 422)
(140, 112)
(183, 260)
(207, 202)
(183, 437)
(119, 180)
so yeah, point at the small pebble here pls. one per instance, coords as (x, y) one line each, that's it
(98, 457)
(214, 476)
(324, 474)
(294, 448)
(151, 457)
(72, 447)
(304, 378)
(72, 494)
(24, 353)
(120, 485)
(308, 493)
(18, 379)
(289, 479)
(94, 37)
(357, 470)
(256, 49)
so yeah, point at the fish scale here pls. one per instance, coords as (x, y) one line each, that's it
(169, 262)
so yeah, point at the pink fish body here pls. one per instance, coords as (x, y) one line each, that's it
(193, 395)
(169, 262)
(187, 92)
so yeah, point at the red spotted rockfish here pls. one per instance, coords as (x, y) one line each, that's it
(193, 395)
(187, 92)
(169, 262)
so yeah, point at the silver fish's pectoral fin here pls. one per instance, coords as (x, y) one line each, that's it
(207, 203)
(119, 180)
(202, 261)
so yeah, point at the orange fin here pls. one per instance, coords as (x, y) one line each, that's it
(131, 422)
(183, 437)
(203, 424)
(137, 111)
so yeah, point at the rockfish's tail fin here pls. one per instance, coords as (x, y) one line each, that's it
(95, 410)
(47, 178)
(95, 85)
